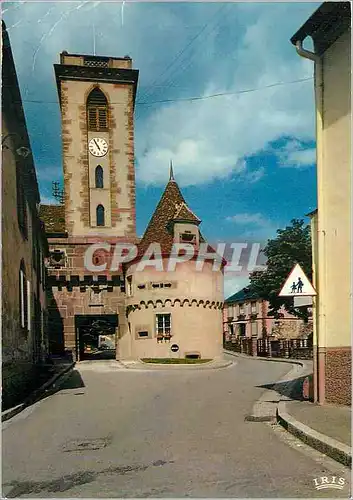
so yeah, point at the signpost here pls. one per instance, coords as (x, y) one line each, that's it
(174, 348)
(297, 284)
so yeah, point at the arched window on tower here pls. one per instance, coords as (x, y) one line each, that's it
(97, 110)
(99, 177)
(100, 215)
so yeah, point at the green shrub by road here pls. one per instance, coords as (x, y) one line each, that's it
(174, 361)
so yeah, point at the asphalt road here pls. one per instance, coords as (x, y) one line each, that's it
(126, 433)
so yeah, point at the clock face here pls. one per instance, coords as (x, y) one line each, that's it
(98, 146)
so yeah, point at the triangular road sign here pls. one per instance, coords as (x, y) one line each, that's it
(297, 284)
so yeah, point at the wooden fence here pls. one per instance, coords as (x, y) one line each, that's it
(270, 347)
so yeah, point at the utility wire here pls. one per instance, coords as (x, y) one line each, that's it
(180, 53)
(220, 94)
(188, 60)
(197, 98)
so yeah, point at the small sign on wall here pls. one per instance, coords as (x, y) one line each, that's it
(174, 348)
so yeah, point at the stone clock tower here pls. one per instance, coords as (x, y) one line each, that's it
(86, 307)
(97, 96)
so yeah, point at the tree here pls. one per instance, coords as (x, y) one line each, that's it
(291, 246)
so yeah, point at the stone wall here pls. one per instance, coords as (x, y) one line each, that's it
(338, 376)
(23, 244)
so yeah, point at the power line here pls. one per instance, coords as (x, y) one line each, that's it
(220, 94)
(196, 98)
(180, 53)
(181, 67)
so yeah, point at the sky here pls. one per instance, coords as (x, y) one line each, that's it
(222, 93)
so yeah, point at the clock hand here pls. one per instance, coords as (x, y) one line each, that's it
(96, 143)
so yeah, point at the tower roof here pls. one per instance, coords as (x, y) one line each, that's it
(183, 213)
(53, 217)
(171, 206)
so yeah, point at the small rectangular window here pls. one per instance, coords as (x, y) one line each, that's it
(163, 324)
(188, 238)
(155, 285)
(192, 355)
(253, 328)
(143, 334)
(141, 286)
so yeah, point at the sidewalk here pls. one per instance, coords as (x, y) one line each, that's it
(326, 428)
(333, 421)
(48, 381)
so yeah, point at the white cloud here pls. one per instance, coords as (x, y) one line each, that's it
(254, 227)
(296, 154)
(208, 139)
(255, 175)
(300, 158)
(246, 218)
(238, 49)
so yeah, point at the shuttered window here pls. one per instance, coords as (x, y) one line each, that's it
(97, 111)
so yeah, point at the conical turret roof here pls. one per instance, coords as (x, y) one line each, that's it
(171, 206)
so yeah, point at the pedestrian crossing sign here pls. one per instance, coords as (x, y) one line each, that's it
(297, 284)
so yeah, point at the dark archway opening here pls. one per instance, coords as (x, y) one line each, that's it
(96, 336)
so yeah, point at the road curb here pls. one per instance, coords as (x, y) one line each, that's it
(329, 446)
(202, 366)
(37, 394)
(265, 408)
(260, 358)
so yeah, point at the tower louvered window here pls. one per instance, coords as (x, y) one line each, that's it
(97, 110)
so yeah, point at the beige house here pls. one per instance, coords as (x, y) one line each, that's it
(329, 27)
(24, 247)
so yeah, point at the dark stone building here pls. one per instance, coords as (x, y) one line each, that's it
(24, 246)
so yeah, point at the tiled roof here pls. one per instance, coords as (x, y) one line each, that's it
(53, 217)
(242, 296)
(171, 203)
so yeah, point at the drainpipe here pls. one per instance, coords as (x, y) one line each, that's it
(319, 333)
(306, 53)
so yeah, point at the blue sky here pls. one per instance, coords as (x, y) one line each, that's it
(244, 160)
